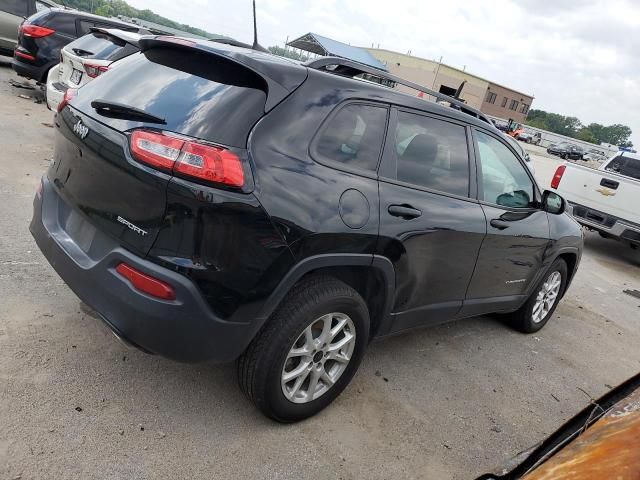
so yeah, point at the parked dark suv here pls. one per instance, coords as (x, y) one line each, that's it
(217, 203)
(566, 150)
(43, 34)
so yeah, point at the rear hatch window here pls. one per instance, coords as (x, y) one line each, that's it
(101, 46)
(198, 95)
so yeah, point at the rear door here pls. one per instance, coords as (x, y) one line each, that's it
(517, 229)
(12, 13)
(431, 225)
(94, 171)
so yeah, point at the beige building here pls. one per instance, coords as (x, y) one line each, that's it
(488, 97)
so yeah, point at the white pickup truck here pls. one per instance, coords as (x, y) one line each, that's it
(607, 199)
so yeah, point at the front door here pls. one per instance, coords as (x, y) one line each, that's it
(517, 229)
(431, 227)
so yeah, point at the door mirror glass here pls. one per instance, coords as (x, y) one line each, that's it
(553, 203)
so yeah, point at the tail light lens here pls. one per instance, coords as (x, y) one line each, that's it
(145, 283)
(555, 181)
(187, 158)
(26, 56)
(35, 31)
(95, 70)
(68, 95)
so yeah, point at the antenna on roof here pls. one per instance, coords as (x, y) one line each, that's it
(256, 45)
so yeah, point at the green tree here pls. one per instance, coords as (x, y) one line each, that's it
(587, 135)
(282, 52)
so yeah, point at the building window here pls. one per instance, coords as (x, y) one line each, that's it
(491, 97)
(524, 108)
(504, 102)
(513, 105)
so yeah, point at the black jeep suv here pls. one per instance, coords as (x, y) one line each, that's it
(212, 202)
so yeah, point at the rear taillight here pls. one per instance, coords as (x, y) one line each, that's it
(555, 181)
(26, 56)
(187, 158)
(68, 95)
(95, 70)
(145, 283)
(35, 31)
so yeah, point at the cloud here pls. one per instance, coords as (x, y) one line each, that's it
(578, 58)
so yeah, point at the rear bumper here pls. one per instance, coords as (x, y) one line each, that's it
(603, 222)
(55, 89)
(183, 329)
(30, 70)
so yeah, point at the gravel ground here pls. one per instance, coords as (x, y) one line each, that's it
(447, 402)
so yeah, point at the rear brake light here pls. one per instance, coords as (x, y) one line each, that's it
(555, 181)
(210, 163)
(187, 158)
(95, 70)
(24, 55)
(35, 31)
(145, 283)
(68, 95)
(154, 149)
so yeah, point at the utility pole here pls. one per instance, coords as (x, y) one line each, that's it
(433, 86)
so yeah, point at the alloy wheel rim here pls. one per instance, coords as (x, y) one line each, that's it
(547, 297)
(318, 357)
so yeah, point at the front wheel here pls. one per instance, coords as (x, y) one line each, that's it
(537, 311)
(308, 352)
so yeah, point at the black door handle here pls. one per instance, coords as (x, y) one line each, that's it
(499, 224)
(605, 182)
(404, 211)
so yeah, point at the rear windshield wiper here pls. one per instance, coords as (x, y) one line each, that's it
(82, 53)
(118, 110)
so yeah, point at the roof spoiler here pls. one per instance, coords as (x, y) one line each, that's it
(280, 75)
(114, 32)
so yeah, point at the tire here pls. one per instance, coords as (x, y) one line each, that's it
(564, 156)
(524, 319)
(312, 304)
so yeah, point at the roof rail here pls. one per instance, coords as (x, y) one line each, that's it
(349, 68)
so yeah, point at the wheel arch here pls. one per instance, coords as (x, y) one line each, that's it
(372, 276)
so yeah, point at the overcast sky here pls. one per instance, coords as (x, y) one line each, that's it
(578, 57)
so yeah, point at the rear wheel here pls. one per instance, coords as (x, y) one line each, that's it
(537, 311)
(308, 352)
(564, 156)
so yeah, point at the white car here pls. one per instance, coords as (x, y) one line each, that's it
(86, 58)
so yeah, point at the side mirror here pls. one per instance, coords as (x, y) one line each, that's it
(553, 203)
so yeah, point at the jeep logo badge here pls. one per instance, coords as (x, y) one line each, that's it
(81, 129)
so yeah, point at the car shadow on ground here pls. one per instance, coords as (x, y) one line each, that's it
(611, 249)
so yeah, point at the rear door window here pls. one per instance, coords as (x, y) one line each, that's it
(629, 167)
(353, 137)
(15, 7)
(101, 46)
(432, 153)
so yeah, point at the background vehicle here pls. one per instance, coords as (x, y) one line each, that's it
(180, 208)
(566, 151)
(86, 58)
(605, 199)
(601, 441)
(43, 35)
(12, 14)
